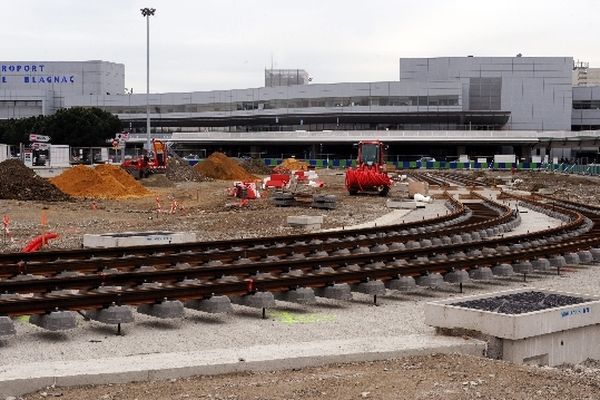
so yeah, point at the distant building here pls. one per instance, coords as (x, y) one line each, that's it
(30, 88)
(583, 75)
(286, 77)
(438, 105)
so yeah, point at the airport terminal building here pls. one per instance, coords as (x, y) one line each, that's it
(442, 106)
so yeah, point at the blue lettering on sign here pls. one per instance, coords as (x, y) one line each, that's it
(22, 67)
(576, 311)
(25, 68)
(49, 79)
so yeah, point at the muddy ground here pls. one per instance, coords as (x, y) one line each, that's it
(202, 207)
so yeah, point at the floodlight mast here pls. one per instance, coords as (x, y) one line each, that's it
(147, 13)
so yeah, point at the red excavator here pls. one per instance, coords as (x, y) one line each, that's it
(142, 167)
(370, 173)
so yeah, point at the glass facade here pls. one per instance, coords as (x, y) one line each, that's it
(323, 102)
(586, 104)
(485, 93)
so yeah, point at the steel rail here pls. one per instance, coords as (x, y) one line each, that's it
(47, 256)
(230, 255)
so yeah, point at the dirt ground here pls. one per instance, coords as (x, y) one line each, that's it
(436, 377)
(203, 208)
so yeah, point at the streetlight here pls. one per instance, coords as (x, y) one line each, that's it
(148, 12)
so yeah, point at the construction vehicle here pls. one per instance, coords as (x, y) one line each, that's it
(144, 166)
(370, 173)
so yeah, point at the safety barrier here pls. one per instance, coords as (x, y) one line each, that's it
(343, 163)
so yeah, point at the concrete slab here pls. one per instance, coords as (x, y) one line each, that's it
(301, 220)
(549, 336)
(136, 238)
(16, 380)
(445, 314)
(402, 205)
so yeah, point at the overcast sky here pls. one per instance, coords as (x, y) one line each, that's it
(225, 44)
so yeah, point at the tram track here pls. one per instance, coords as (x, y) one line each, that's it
(380, 255)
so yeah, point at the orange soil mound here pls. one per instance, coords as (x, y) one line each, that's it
(219, 166)
(105, 181)
(291, 164)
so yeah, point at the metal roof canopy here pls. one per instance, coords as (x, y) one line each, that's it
(343, 136)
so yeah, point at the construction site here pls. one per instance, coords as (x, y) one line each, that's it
(154, 277)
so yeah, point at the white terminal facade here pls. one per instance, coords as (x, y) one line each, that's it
(463, 101)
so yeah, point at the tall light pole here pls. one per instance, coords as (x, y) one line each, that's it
(148, 12)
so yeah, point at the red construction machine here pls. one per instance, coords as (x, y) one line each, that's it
(370, 173)
(144, 166)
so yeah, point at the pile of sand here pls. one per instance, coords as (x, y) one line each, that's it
(219, 166)
(291, 164)
(104, 182)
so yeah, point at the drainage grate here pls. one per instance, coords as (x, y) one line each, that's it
(520, 303)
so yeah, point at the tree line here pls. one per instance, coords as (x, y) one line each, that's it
(77, 127)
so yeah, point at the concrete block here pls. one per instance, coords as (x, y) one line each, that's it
(338, 291)
(299, 295)
(213, 305)
(402, 205)
(481, 274)
(503, 270)
(397, 246)
(302, 220)
(402, 284)
(460, 276)
(585, 257)
(557, 261)
(541, 264)
(380, 248)
(375, 287)
(55, 320)
(136, 239)
(430, 280)
(7, 326)
(524, 267)
(596, 254)
(571, 258)
(112, 315)
(256, 300)
(166, 310)
(361, 250)
(550, 336)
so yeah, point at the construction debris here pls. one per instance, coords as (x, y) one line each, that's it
(21, 183)
(256, 166)
(179, 170)
(104, 181)
(219, 166)
(158, 181)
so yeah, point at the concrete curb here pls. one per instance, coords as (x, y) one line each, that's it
(18, 379)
